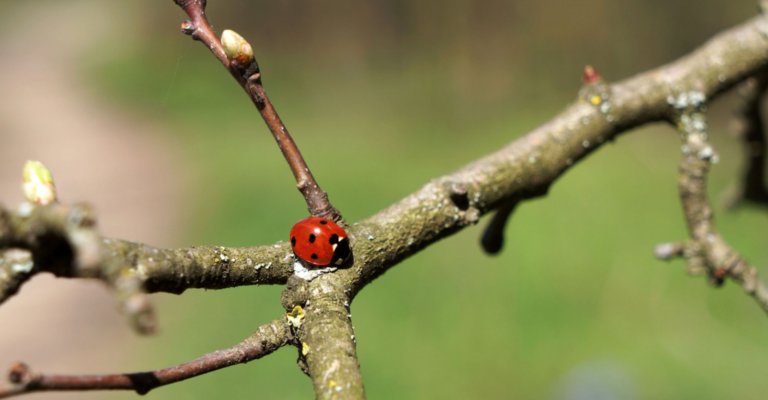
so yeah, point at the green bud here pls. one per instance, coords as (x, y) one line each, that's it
(37, 183)
(236, 48)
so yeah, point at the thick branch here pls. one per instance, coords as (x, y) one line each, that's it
(540, 157)
(203, 267)
(326, 338)
(264, 341)
(55, 239)
(63, 240)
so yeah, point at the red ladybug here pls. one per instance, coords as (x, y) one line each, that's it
(320, 242)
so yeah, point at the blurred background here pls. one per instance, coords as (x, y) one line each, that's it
(382, 96)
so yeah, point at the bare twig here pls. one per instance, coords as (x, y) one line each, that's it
(249, 77)
(707, 251)
(267, 339)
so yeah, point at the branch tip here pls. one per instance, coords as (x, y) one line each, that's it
(668, 251)
(492, 240)
(590, 75)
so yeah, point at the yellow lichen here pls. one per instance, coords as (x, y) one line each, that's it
(295, 317)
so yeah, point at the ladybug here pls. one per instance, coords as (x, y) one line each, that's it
(320, 242)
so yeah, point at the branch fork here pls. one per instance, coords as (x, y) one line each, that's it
(706, 251)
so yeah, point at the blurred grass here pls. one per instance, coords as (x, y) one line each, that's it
(575, 293)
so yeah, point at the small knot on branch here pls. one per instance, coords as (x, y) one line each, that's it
(459, 195)
(20, 374)
(688, 110)
(187, 27)
(596, 92)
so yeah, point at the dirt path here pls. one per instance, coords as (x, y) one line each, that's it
(125, 167)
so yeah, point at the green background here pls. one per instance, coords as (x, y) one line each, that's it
(382, 97)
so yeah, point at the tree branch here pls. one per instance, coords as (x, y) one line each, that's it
(442, 207)
(265, 340)
(63, 240)
(325, 337)
(543, 155)
(436, 211)
(706, 252)
(57, 247)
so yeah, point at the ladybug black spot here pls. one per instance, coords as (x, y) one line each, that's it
(312, 238)
(323, 222)
(314, 256)
(293, 241)
(333, 239)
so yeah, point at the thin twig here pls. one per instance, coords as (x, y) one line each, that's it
(250, 79)
(267, 339)
(707, 251)
(492, 239)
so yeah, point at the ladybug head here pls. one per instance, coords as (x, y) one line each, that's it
(341, 251)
